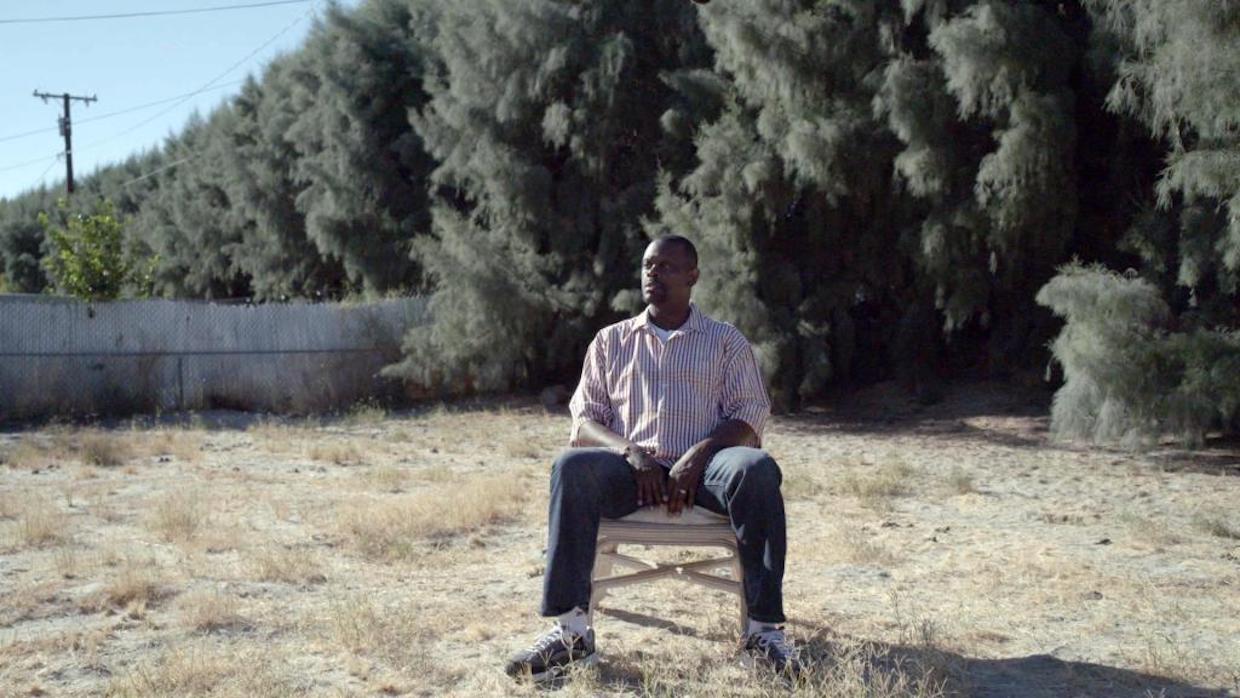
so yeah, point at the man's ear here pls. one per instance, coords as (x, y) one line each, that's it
(693, 276)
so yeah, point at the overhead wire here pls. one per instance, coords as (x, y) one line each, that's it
(154, 172)
(151, 13)
(205, 86)
(50, 165)
(209, 85)
(148, 105)
(28, 163)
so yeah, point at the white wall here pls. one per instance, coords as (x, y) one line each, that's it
(62, 356)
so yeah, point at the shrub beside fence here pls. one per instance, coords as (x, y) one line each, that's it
(64, 356)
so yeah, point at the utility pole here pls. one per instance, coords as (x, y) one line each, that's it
(66, 130)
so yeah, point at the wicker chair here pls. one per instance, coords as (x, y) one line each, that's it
(652, 526)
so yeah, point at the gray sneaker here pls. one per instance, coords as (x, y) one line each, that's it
(773, 648)
(552, 654)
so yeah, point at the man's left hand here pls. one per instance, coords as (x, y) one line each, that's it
(682, 481)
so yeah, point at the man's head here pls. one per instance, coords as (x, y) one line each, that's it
(669, 270)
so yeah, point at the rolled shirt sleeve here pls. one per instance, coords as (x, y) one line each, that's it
(744, 396)
(591, 400)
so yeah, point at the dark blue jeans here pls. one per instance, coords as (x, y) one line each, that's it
(589, 483)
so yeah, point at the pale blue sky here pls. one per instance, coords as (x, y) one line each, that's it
(126, 63)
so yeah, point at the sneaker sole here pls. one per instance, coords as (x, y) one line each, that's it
(554, 673)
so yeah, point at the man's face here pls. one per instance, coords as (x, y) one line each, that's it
(668, 274)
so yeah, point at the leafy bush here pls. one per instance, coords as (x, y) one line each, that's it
(1131, 375)
(88, 259)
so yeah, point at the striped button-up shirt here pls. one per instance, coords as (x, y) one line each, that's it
(667, 396)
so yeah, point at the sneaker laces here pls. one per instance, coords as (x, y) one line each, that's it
(549, 639)
(776, 639)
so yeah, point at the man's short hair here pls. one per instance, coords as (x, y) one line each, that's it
(685, 243)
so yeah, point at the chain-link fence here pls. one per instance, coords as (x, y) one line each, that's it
(63, 356)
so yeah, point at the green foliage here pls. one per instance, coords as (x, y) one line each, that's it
(545, 120)
(273, 251)
(1130, 376)
(363, 169)
(88, 259)
(1178, 74)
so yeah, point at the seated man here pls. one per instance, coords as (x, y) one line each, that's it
(669, 412)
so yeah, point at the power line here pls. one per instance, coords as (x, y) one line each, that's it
(152, 173)
(209, 85)
(152, 13)
(50, 165)
(158, 102)
(109, 115)
(28, 163)
(206, 86)
(35, 132)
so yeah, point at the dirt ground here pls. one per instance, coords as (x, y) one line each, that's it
(944, 550)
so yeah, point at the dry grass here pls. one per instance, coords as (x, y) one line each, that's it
(181, 444)
(876, 487)
(131, 590)
(68, 563)
(286, 565)
(41, 523)
(11, 505)
(211, 611)
(231, 671)
(387, 644)
(855, 546)
(29, 454)
(1217, 524)
(1145, 527)
(392, 529)
(178, 517)
(365, 413)
(435, 474)
(521, 447)
(102, 448)
(278, 437)
(387, 478)
(105, 449)
(346, 453)
(800, 484)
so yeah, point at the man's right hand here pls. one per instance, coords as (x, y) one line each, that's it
(651, 477)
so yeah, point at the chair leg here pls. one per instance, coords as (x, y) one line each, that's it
(603, 564)
(739, 575)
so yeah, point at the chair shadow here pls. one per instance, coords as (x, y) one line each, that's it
(648, 621)
(1032, 676)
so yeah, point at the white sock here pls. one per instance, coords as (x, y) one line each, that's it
(757, 626)
(574, 622)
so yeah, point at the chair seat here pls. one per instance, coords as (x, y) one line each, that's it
(697, 516)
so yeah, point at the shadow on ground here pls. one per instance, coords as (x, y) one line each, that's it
(1001, 414)
(882, 664)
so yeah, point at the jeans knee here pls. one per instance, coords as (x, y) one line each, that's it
(570, 465)
(761, 470)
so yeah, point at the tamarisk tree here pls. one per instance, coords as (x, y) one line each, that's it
(1146, 357)
(544, 117)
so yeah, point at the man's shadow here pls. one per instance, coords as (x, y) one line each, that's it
(879, 663)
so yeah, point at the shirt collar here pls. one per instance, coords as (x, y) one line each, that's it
(692, 324)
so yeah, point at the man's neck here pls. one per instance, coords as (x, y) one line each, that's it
(668, 318)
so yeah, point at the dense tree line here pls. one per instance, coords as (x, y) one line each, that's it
(877, 188)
